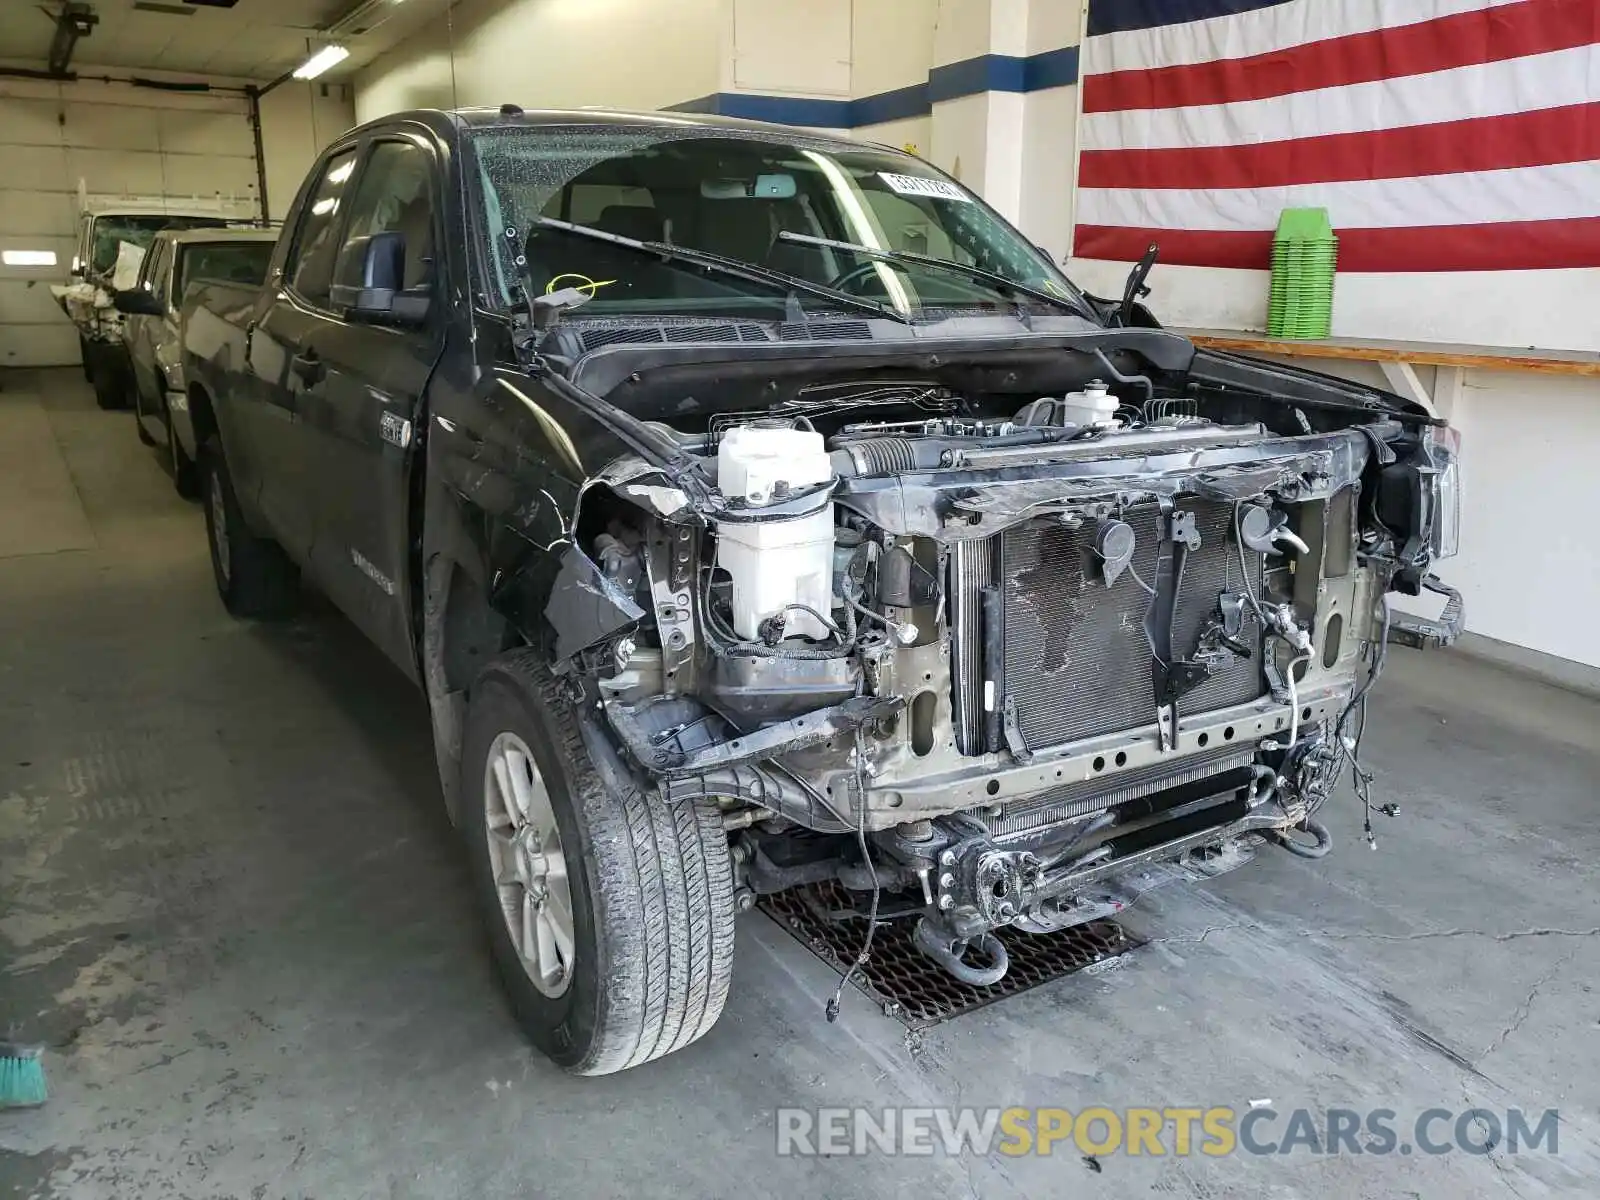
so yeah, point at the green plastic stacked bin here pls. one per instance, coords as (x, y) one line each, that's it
(1305, 254)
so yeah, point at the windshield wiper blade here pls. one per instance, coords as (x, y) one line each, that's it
(732, 267)
(999, 282)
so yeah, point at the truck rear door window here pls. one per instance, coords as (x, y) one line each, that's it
(227, 262)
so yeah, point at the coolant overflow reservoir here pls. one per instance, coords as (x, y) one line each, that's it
(782, 560)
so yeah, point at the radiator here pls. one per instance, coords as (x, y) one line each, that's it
(1076, 662)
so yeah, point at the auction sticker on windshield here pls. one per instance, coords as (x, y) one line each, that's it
(914, 185)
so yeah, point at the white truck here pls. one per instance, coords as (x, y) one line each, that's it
(113, 234)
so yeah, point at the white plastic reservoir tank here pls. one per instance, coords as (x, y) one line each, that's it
(783, 560)
(1093, 406)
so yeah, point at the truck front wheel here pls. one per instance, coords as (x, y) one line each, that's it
(254, 577)
(109, 377)
(610, 914)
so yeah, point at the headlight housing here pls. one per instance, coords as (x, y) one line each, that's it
(1443, 447)
(1418, 500)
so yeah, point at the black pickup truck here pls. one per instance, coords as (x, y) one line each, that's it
(758, 510)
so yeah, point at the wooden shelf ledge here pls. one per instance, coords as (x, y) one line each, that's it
(1438, 354)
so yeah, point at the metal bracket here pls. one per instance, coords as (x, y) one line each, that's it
(1231, 605)
(672, 602)
(1183, 529)
(1422, 633)
(1170, 678)
(1220, 637)
(1013, 732)
(671, 762)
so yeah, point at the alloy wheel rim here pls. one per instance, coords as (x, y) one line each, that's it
(219, 528)
(529, 865)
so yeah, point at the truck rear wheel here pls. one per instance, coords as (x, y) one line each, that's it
(610, 914)
(254, 576)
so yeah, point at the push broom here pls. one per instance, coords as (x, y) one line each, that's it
(21, 1076)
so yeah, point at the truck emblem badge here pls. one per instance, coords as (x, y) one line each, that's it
(371, 572)
(396, 430)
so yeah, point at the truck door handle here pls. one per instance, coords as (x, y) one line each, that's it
(308, 366)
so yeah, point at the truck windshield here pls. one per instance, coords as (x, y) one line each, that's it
(732, 193)
(112, 229)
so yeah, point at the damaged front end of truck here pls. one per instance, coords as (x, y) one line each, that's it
(999, 637)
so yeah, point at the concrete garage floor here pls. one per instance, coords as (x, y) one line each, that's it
(231, 903)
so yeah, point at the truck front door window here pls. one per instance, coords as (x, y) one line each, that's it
(392, 197)
(310, 267)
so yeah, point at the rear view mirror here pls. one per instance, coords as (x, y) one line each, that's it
(137, 302)
(368, 278)
(762, 187)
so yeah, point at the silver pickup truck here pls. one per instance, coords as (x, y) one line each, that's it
(152, 328)
(113, 233)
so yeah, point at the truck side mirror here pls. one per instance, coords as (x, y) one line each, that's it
(137, 302)
(367, 282)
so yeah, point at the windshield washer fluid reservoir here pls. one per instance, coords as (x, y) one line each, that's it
(783, 559)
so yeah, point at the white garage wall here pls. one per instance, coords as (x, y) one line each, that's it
(1528, 568)
(297, 121)
(116, 139)
(553, 53)
(120, 139)
(1050, 133)
(891, 48)
(766, 37)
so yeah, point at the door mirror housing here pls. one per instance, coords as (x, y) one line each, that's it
(367, 282)
(137, 302)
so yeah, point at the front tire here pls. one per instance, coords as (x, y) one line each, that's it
(254, 577)
(109, 380)
(644, 963)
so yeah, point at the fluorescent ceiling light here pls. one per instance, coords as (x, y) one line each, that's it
(28, 258)
(322, 60)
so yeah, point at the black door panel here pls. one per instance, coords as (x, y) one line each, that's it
(363, 382)
(276, 392)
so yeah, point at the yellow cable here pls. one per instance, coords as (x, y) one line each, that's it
(591, 284)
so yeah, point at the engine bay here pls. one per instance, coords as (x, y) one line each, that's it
(993, 651)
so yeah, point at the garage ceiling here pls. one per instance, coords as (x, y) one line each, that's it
(251, 39)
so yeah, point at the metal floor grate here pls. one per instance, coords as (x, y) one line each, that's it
(911, 987)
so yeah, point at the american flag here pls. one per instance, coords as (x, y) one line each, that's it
(1440, 135)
